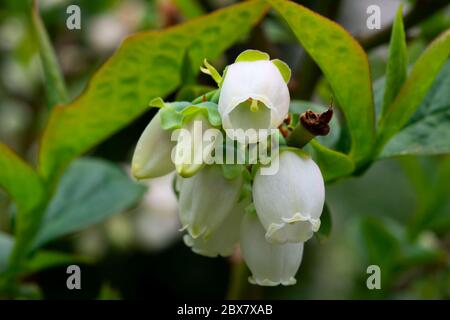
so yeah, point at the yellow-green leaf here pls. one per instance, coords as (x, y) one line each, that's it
(54, 82)
(147, 65)
(397, 62)
(19, 180)
(415, 88)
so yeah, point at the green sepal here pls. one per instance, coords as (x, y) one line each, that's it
(174, 115)
(157, 103)
(210, 70)
(283, 68)
(252, 55)
(171, 116)
(232, 171)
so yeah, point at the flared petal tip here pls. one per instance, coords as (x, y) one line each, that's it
(298, 228)
(269, 283)
(206, 252)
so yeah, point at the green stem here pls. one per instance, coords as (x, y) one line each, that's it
(299, 137)
(238, 281)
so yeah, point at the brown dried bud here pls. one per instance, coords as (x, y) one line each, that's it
(317, 123)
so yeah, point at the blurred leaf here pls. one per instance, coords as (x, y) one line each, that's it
(397, 62)
(6, 245)
(414, 89)
(19, 180)
(90, 191)
(190, 92)
(428, 131)
(48, 259)
(344, 64)
(434, 207)
(333, 164)
(189, 8)
(25, 187)
(54, 81)
(40, 260)
(108, 293)
(416, 254)
(381, 246)
(147, 65)
(419, 177)
(325, 225)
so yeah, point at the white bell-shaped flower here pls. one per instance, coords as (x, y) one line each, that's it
(254, 95)
(270, 264)
(289, 203)
(152, 156)
(222, 241)
(206, 199)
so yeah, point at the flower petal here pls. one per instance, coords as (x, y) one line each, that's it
(152, 156)
(270, 264)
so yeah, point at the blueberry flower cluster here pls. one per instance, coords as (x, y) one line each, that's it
(223, 204)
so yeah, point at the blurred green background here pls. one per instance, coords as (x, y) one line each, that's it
(396, 215)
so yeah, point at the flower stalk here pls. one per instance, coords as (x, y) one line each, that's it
(310, 125)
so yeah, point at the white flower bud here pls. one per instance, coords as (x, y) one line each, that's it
(254, 95)
(191, 150)
(206, 199)
(222, 241)
(270, 264)
(151, 157)
(290, 202)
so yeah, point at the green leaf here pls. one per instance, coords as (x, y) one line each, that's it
(90, 191)
(54, 81)
(190, 92)
(146, 65)
(40, 260)
(48, 259)
(397, 62)
(432, 212)
(414, 89)
(25, 187)
(344, 64)
(189, 8)
(19, 180)
(325, 225)
(333, 164)
(428, 131)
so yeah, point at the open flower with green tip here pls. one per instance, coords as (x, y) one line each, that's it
(254, 95)
(290, 202)
(206, 199)
(191, 150)
(159, 151)
(271, 264)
